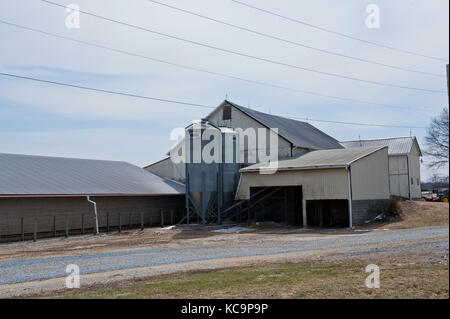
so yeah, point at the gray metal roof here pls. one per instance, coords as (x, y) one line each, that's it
(396, 145)
(320, 159)
(30, 175)
(299, 133)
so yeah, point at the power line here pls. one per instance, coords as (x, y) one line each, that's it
(423, 109)
(252, 56)
(174, 101)
(338, 33)
(104, 91)
(355, 123)
(294, 42)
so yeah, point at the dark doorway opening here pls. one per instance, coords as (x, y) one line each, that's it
(278, 204)
(327, 213)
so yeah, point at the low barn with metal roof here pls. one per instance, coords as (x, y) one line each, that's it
(41, 196)
(320, 188)
(404, 163)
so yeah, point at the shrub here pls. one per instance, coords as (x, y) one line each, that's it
(389, 210)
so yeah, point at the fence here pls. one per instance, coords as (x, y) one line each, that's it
(38, 224)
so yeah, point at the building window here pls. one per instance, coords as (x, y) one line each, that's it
(226, 112)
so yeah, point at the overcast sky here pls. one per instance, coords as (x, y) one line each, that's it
(43, 119)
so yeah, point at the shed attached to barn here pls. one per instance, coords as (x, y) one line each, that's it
(404, 163)
(320, 188)
(52, 195)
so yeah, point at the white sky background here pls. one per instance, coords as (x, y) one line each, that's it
(46, 120)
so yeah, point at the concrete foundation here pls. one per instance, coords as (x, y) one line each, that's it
(363, 210)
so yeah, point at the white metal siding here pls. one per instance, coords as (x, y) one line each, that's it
(414, 173)
(317, 184)
(398, 175)
(370, 176)
(166, 168)
(243, 121)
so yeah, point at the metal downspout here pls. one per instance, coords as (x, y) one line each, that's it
(350, 211)
(409, 177)
(95, 214)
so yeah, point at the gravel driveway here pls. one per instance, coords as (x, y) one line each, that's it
(24, 270)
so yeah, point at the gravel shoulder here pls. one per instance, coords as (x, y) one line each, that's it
(28, 268)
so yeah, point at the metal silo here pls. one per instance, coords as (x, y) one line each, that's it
(229, 168)
(210, 185)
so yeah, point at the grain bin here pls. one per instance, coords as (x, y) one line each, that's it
(212, 170)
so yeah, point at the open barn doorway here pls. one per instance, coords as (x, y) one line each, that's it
(327, 213)
(281, 204)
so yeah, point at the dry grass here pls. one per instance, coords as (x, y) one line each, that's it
(287, 280)
(419, 214)
(415, 214)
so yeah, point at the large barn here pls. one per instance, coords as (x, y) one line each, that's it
(318, 181)
(404, 163)
(294, 137)
(47, 196)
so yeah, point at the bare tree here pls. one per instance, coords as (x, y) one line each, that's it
(437, 140)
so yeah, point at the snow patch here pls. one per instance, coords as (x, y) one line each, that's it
(234, 229)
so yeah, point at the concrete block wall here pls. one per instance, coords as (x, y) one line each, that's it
(362, 210)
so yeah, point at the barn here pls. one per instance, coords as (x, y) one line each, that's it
(318, 181)
(404, 163)
(320, 188)
(44, 196)
(294, 137)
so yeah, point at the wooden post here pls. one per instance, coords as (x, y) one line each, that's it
(129, 220)
(151, 219)
(248, 208)
(67, 226)
(107, 222)
(54, 226)
(22, 228)
(120, 222)
(35, 230)
(171, 217)
(82, 223)
(142, 221)
(305, 222)
(162, 218)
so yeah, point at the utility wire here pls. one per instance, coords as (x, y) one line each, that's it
(178, 102)
(252, 56)
(104, 91)
(295, 42)
(355, 123)
(423, 109)
(338, 33)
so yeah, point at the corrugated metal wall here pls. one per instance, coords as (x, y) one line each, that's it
(317, 184)
(370, 176)
(398, 175)
(166, 168)
(243, 121)
(78, 213)
(414, 173)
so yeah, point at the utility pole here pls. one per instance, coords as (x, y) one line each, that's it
(448, 87)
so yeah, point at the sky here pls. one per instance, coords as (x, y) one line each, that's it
(43, 119)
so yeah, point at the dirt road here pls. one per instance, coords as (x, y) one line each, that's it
(28, 268)
(32, 275)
